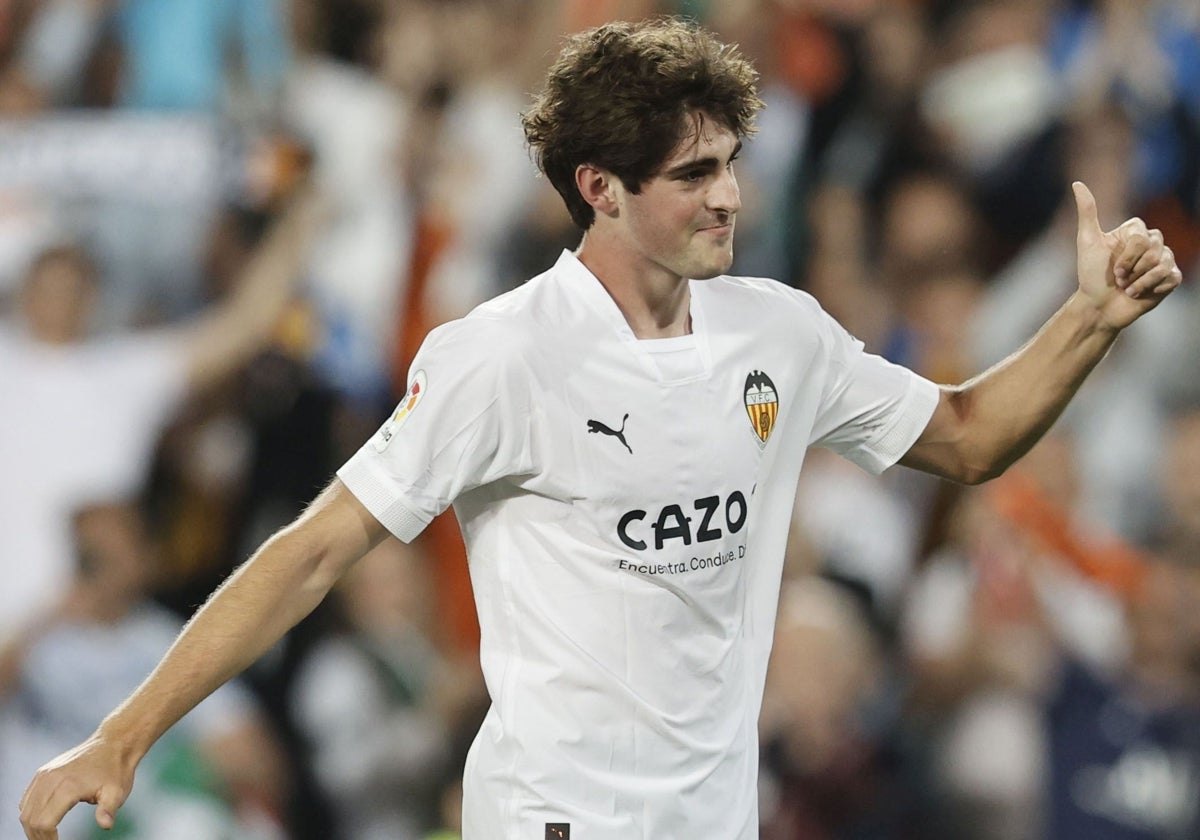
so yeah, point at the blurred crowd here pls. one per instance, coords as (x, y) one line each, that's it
(226, 225)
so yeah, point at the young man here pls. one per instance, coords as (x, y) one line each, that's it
(621, 439)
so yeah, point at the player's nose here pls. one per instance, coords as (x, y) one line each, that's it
(725, 197)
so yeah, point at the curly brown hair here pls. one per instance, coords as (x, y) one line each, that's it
(617, 98)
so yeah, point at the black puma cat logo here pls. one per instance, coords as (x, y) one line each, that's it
(594, 426)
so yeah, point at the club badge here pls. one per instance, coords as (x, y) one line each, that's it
(762, 404)
(416, 390)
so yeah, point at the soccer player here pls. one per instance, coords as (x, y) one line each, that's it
(621, 438)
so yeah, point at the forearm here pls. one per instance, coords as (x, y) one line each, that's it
(982, 426)
(249, 613)
(1010, 406)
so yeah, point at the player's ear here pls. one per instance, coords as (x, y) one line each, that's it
(598, 188)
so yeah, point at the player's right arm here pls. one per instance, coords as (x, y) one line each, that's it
(268, 595)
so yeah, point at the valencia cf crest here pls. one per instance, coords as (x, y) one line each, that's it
(762, 404)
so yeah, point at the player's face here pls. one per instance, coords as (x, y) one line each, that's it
(683, 217)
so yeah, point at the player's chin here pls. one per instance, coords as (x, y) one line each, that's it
(715, 269)
(713, 264)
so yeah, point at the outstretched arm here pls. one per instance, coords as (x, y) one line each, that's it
(229, 336)
(981, 427)
(262, 600)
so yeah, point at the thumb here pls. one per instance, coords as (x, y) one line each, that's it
(1089, 219)
(107, 804)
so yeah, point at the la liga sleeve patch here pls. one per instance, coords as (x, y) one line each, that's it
(388, 431)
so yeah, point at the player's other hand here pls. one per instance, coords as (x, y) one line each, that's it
(1124, 272)
(96, 772)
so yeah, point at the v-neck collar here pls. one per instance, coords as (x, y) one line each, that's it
(587, 286)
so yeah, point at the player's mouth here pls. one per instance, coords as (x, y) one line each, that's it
(718, 230)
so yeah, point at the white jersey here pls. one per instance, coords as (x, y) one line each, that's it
(625, 506)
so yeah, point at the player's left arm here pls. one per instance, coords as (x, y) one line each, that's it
(981, 427)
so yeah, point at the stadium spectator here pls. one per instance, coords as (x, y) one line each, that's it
(378, 705)
(1178, 533)
(1145, 58)
(824, 772)
(908, 292)
(988, 619)
(1124, 746)
(357, 125)
(221, 774)
(82, 415)
(214, 67)
(992, 104)
(173, 56)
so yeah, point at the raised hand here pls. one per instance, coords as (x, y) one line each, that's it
(1124, 272)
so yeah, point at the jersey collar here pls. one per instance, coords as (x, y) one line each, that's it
(587, 287)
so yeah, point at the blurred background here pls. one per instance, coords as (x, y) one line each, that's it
(226, 225)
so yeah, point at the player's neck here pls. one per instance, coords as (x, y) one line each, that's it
(656, 303)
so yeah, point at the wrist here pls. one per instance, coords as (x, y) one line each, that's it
(1090, 317)
(130, 744)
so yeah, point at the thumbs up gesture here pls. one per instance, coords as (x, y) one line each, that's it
(1124, 272)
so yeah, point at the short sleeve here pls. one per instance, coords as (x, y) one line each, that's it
(872, 411)
(464, 422)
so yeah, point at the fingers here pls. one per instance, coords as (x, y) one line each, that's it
(41, 813)
(1089, 218)
(1134, 245)
(1149, 258)
(1162, 278)
(1132, 258)
(88, 773)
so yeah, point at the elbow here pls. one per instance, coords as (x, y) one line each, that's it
(976, 463)
(977, 459)
(953, 463)
(975, 475)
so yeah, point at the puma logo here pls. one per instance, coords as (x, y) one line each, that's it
(594, 426)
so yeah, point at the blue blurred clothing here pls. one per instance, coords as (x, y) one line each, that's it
(1165, 127)
(1122, 768)
(176, 51)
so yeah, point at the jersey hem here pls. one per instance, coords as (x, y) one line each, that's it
(920, 400)
(405, 523)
